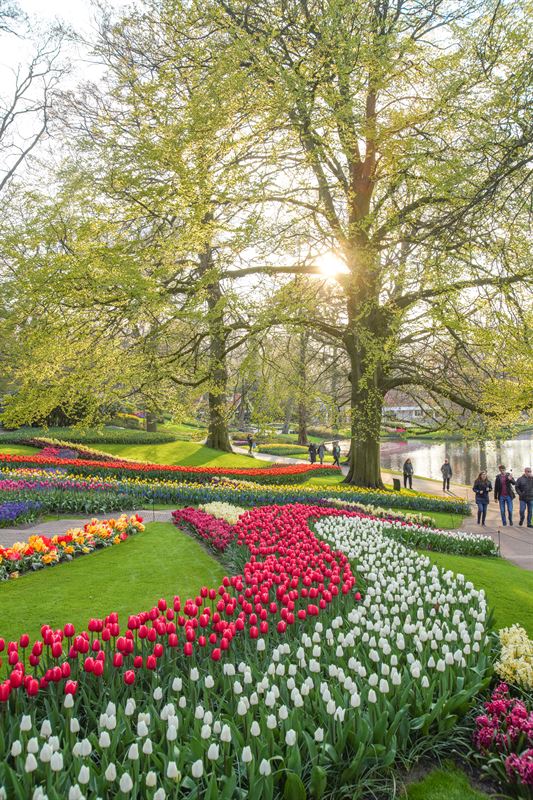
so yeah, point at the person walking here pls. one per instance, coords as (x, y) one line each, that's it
(312, 453)
(336, 454)
(321, 452)
(503, 493)
(482, 488)
(408, 473)
(250, 440)
(524, 487)
(447, 473)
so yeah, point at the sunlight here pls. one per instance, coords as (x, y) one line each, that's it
(330, 264)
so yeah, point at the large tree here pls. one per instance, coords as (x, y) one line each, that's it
(404, 128)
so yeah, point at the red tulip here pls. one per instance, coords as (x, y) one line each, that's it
(129, 677)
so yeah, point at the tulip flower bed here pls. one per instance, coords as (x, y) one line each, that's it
(275, 474)
(41, 551)
(21, 511)
(515, 665)
(458, 542)
(62, 494)
(283, 680)
(504, 740)
(75, 494)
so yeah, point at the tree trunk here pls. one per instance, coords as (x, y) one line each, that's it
(151, 422)
(288, 416)
(217, 432)
(364, 468)
(366, 347)
(302, 389)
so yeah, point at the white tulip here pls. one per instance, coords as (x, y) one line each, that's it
(213, 752)
(110, 773)
(46, 753)
(104, 740)
(84, 775)
(157, 693)
(177, 685)
(46, 728)
(125, 783)
(56, 762)
(147, 747)
(31, 763)
(290, 737)
(197, 769)
(133, 752)
(26, 723)
(173, 772)
(319, 735)
(264, 767)
(160, 794)
(225, 733)
(246, 755)
(16, 748)
(151, 779)
(74, 725)
(33, 745)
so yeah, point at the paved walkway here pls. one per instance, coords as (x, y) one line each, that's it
(516, 543)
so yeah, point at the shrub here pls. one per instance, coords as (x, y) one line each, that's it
(90, 436)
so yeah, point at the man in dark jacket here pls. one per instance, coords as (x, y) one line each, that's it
(524, 487)
(312, 452)
(503, 492)
(447, 473)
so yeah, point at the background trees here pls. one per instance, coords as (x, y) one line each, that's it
(233, 153)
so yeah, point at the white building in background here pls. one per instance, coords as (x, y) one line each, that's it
(407, 413)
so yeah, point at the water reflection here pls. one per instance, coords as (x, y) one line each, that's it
(466, 458)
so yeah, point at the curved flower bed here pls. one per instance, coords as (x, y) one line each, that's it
(458, 542)
(140, 490)
(41, 551)
(282, 681)
(118, 468)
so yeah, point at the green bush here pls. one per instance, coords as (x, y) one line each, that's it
(89, 436)
(284, 449)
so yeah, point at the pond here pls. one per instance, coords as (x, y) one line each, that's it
(467, 458)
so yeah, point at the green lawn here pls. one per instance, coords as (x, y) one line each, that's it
(17, 449)
(127, 578)
(444, 784)
(509, 588)
(184, 453)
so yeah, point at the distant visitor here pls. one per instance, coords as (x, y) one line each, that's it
(312, 452)
(482, 488)
(503, 493)
(336, 454)
(524, 487)
(447, 473)
(321, 452)
(408, 473)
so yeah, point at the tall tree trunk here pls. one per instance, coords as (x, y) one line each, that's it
(366, 345)
(151, 422)
(302, 389)
(288, 416)
(364, 467)
(217, 432)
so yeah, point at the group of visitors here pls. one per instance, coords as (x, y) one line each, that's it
(408, 471)
(504, 494)
(319, 451)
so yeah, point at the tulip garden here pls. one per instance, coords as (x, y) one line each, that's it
(332, 652)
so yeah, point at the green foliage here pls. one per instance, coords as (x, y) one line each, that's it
(89, 436)
(444, 784)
